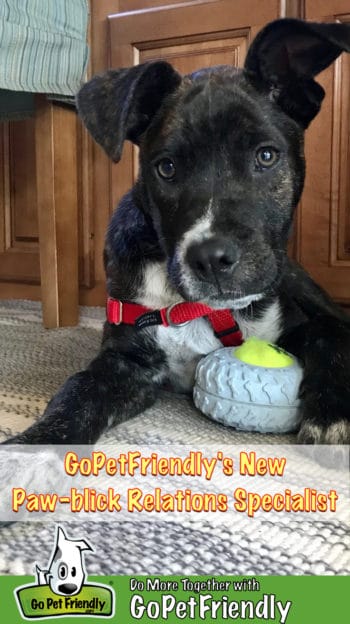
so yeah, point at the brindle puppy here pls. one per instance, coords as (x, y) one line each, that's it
(221, 172)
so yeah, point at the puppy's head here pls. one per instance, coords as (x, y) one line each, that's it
(221, 154)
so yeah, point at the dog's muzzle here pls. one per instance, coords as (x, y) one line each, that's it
(213, 260)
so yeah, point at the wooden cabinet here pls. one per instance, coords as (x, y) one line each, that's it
(323, 225)
(19, 257)
(190, 34)
(44, 192)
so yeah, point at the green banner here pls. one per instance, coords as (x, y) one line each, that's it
(39, 600)
(176, 599)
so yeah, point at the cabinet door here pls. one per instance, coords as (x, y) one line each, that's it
(19, 251)
(323, 236)
(19, 239)
(190, 36)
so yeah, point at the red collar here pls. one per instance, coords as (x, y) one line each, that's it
(222, 321)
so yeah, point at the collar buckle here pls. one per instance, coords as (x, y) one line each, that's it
(170, 322)
(115, 311)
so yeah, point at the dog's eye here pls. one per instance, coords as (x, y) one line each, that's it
(62, 571)
(266, 157)
(166, 169)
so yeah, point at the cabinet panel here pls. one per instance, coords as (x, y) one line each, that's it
(19, 241)
(316, 9)
(340, 187)
(19, 253)
(323, 241)
(191, 35)
(23, 187)
(230, 49)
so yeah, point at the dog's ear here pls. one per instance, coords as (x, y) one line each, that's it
(287, 54)
(120, 104)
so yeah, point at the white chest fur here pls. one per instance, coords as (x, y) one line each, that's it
(184, 346)
(156, 290)
(267, 327)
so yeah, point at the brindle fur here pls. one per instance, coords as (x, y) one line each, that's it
(217, 232)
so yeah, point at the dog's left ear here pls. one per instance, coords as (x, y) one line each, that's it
(287, 54)
(120, 104)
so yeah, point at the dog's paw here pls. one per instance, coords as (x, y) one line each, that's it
(325, 407)
(312, 432)
(336, 455)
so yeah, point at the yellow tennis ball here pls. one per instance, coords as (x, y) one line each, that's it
(261, 353)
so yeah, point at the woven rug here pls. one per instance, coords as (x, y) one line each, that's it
(35, 362)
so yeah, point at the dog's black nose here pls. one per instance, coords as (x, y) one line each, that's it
(212, 259)
(67, 588)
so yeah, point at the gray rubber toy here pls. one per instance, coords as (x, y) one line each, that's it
(246, 396)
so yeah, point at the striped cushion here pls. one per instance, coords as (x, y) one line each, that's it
(43, 45)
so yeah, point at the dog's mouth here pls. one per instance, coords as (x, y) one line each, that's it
(222, 273)
(218, 294)
(215, 297)
(232, 301)
(244, 302)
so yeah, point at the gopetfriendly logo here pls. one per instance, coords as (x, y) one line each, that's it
(60, 590)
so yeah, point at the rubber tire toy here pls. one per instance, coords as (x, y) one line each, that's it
(253, 387)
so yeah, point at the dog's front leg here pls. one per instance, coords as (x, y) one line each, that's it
(323, 346)
(116, 386)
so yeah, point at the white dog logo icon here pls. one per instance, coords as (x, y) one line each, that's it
(66, 573)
